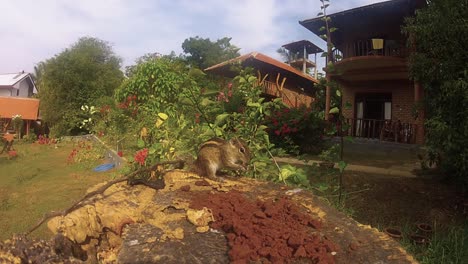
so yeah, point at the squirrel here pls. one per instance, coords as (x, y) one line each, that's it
(216, 154)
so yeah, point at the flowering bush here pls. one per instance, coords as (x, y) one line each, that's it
(85, 152)
(295, 130)
(12, 154)
(42, 140)
(140, 156)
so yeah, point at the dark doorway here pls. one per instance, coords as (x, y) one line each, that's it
(371, 111)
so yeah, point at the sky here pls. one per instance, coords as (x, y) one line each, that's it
(32, 31)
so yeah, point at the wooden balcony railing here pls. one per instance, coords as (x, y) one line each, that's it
(391, 130)
(272, 89)
(358, 48)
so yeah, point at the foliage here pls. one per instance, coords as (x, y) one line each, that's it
(30, 138)
(294, 175)
(171, 115)
(79, 75)
(17, 121)
(42, 140)
(203, 53)
(332, 154)
(86, 153)
(88, 114)
(448, 245)
(295, 130)
(440, 62)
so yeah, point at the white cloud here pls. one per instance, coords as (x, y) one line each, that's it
(32, 31)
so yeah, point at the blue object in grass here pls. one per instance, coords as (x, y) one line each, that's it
(104, 167)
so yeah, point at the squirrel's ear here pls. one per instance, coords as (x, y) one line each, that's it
(233, 141)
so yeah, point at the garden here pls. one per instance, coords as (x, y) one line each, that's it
(154, 209)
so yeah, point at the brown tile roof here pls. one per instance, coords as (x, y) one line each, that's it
(28, 108)
(263, 58)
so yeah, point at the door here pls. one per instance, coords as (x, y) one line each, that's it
(372, 109)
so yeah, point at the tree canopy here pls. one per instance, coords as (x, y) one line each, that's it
(439, 34)
(77, 76)
(203, 53)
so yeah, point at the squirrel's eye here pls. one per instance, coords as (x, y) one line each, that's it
(242, 150)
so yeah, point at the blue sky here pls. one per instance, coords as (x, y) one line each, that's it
(32, 31)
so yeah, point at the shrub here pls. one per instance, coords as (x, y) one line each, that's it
(296, 130)
(30, 138)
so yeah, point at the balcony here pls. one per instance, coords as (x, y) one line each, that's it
(363, 61)
(384, 130)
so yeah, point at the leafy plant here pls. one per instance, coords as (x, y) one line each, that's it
(437, 34)
(77, 76)
(331, 154)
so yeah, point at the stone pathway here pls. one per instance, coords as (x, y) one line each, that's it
(402, 171)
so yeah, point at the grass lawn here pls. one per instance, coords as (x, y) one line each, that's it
(40, 180)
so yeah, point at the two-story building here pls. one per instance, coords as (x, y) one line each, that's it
(16, 90)
(372, 70)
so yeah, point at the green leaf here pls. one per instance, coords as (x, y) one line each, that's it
(333, 29)
(253, 104)
(140, 143)
(348, 105)
(163, 116)
(342, 165)
(338, 93)
(334, 110)
(252, 79)
(349, 139)
(221, 118)
(322, 29)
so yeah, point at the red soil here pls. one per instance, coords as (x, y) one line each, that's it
(276, 231)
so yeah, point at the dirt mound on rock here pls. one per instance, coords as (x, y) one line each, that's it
(272, 230)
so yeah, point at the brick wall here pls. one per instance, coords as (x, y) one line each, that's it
(402, 102)
(402, 98)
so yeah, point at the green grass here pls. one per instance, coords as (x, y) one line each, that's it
(40, 180)
(448, 245)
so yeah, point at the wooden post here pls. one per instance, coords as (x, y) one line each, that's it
(315, 68)
(28, 125)
(304, 63)
(418, 95)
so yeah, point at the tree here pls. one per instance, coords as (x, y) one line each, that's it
(77, 76)
(203, 53)
(130, 70)
(438, 34)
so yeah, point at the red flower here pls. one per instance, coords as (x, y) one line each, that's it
(120, 153)
(140, 156)
(197, 118)
(12, 153)
(277, 132)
